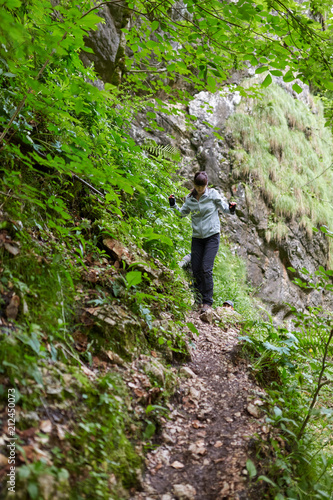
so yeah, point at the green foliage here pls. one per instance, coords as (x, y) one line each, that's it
(296, 370)
(168, 152)
(230, 282)
(229, 35)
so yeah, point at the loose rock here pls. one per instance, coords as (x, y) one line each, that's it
(184, 491)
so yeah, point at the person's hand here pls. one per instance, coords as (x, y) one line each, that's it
(232, 207)
(172, 200)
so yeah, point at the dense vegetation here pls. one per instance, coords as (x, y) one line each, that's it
(73, 179)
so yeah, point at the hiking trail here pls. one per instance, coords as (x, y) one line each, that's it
(206, 441)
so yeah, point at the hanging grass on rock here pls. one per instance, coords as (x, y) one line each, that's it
(289, 161)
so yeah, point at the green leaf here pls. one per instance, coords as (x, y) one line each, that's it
(211, 82)
(149, 409)
(267, 81)
(149, 431)
(251, 468)
(33, 490)
(288, 77)
(297, 88)
(261, 70)
(13, 4)
(193, 328)
(154, 25)
(328, 84)
(133, 278)
(267, 480)
(276, 72)
(277, 411)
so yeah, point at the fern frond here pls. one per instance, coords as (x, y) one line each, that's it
(167, 152)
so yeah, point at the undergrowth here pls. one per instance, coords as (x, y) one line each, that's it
(295, 368)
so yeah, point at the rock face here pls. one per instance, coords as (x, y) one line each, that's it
(105, 41)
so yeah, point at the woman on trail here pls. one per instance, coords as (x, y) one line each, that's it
(203, 204)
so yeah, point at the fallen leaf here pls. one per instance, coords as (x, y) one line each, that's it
(27, 433)
(61, 430)
(115, 358)
(218, 444)
(88, 372)
(12, 249)
(140, 394)
(153, 353)
(46, 426)
(177, 465)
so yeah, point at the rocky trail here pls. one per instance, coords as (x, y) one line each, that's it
(215, 413)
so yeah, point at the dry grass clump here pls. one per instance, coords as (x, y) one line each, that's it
(282, 149)
(277, 232)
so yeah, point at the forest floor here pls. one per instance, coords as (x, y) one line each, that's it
(215, 414)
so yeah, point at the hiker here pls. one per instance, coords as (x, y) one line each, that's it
(203, 204)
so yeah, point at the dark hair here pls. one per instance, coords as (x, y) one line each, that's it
(200, 179)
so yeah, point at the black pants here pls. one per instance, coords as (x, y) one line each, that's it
(203, 253)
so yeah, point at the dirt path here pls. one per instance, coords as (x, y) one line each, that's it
(205, 443)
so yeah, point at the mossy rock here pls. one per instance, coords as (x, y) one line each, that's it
(117, 328)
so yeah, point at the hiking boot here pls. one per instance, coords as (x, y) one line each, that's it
(204, 308)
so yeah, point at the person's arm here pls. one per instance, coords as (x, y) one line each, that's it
(227, 208)
(183, 211)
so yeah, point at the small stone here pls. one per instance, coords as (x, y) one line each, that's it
(225, 489)
(258, 402)
(177, 465)
(229, 419)
(194, 393)
(168, 439)
(207, 316)
(184, 491)
(13, 307)
(238, 414)
(187, 372)
(167, 497)
(265, 429)
(218, 444)
(198, 448)
(115, 358)
(253, 410)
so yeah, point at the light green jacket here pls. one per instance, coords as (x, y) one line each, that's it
(204, 213)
